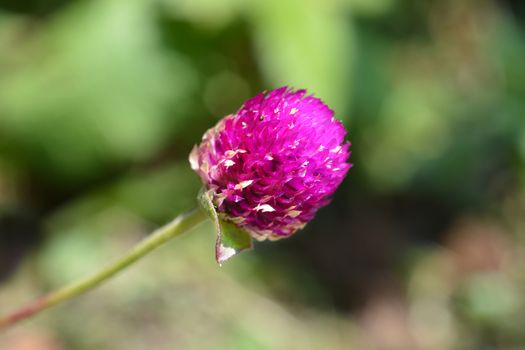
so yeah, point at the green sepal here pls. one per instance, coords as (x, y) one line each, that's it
(231, 239)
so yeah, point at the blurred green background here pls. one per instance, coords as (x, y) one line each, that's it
(423, 246)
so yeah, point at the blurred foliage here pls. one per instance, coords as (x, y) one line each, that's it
(422, 248)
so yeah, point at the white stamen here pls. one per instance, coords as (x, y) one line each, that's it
(336, 149)
(294, 213)
(231, 153)
(194, 158)
(243, 184)
(264, 208)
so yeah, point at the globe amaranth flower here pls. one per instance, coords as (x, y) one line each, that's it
(274, 163)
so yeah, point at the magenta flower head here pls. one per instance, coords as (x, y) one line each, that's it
(274, 163)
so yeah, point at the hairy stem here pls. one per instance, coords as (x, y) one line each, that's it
(174, 228)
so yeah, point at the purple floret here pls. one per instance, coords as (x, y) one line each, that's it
(274, 163)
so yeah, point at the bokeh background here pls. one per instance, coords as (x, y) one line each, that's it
(422, 248)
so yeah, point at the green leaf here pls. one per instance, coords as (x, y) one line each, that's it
(231, 239)
(110, 86)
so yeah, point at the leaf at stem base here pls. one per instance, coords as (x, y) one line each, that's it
(231, 239)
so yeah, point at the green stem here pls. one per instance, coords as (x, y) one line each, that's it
(174, 228)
